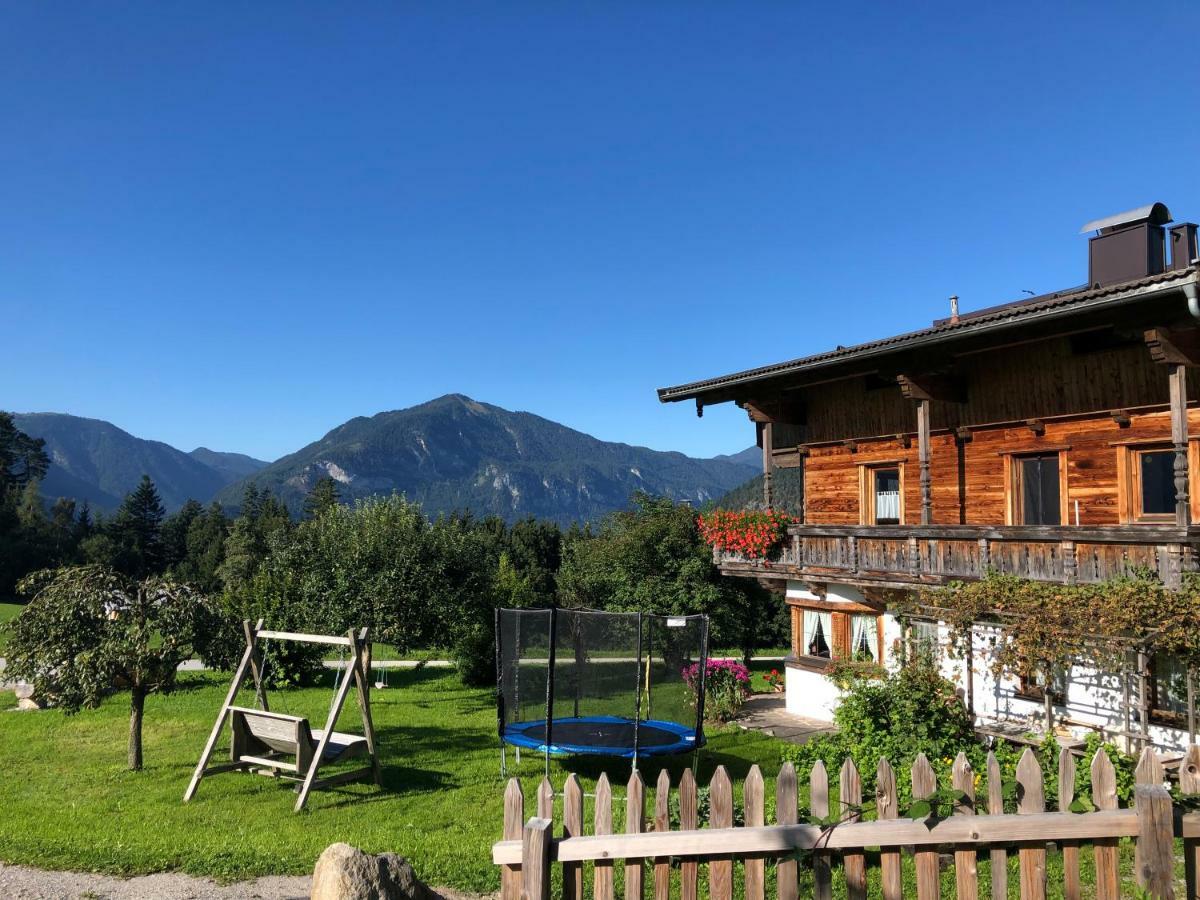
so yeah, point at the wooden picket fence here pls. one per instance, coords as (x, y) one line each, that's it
(653, 854)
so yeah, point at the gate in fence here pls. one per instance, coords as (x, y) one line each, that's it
(655, 856)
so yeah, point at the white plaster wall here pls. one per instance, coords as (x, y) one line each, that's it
(1093, 698)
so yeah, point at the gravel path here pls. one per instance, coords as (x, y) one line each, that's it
(24, 883)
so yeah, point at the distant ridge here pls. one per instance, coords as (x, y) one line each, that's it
(95, 461)
(455, 453)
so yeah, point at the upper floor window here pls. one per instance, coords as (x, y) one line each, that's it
(1146, 476)
(881, 493)
(1036, 495)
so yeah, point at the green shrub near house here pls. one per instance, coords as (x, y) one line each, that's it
(914, 709)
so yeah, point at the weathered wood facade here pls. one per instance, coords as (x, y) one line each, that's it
(1055, 438)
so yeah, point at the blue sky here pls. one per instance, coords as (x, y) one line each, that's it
(241, 224)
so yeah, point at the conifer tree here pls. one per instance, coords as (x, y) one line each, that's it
(323, 495)
(138, 529)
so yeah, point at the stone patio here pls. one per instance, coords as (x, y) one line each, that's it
(767, 713)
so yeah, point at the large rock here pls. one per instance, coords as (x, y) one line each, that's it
(347, 873)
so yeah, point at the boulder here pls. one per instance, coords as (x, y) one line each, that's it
(347, 873)
(25, 699)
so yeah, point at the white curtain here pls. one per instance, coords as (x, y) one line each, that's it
(817, 632)
(887, 505)
(864, 637)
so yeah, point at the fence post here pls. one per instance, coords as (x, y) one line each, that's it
(818, 805)
(514, 819)
(602, 871)
(887, 806)
(966, 875)
(635, 820)
(924, 786)
(572, 827)
(689, 820)
(1154, 859)
(854, 863)
(786, 813)
(1104, 796)
(998, 853)
(755, 816)
(720, 815)
(1189, 784)
(662, 823)
(1031, 799)
(1070, 849)
(535, 860)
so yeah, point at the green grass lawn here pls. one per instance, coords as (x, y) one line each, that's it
(69, 803)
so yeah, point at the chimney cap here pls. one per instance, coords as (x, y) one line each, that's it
(1154, 213)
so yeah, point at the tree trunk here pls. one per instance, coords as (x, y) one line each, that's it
(137, 706)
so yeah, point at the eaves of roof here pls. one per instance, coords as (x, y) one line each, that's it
(995, 319)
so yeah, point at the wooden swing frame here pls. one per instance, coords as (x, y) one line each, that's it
(262, 738)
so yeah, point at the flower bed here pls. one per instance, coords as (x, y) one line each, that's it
(754, 535)
(726, 686)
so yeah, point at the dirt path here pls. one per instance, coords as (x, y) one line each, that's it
(24, 883)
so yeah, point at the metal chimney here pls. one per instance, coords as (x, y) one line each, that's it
(1127, 246)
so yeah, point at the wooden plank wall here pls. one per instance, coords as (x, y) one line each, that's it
(1003, 385)
(968, 479)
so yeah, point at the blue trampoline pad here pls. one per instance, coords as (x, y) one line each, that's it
(603, 736)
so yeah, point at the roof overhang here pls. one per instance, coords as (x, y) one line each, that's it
(994, 327)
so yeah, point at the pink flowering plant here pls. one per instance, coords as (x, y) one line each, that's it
(726, 686)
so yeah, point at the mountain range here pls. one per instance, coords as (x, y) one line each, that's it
(452, 453)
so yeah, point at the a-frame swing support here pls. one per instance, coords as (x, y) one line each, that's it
(270, 736)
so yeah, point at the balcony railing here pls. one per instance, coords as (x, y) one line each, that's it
(933, 554)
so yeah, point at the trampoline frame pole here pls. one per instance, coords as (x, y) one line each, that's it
(500, 695)
(637, 693)
(700, 689)
(550, 684)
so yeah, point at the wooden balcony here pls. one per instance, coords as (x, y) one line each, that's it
(915, 555)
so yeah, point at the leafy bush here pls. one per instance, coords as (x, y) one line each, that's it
(896, 715)
(726, 686)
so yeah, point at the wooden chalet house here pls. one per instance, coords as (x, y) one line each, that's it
(1052, 438)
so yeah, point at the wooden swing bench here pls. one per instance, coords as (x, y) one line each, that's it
(266, 741)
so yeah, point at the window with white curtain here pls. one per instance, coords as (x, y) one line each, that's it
(887, 496)
(818, 633)
(864, 638)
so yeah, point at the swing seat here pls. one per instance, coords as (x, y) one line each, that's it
(258, 736)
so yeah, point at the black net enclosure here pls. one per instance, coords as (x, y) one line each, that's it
(582, 681)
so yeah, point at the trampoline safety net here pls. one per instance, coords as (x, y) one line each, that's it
(579, 681)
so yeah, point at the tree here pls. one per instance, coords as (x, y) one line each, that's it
(323, 495)
(22, 458)
(137, 530)
(175, 531)
(263, 520)
(651, 558)
(205, 551)
(87, 630)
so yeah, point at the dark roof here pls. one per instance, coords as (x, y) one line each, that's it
(1045, 306)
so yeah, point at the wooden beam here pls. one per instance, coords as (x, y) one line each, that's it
(768, 462)
(1179, 440)
(1174, 347)
(923, 458)
(778, 839)
(1121, 417)
(932, 386)
(1037, 426)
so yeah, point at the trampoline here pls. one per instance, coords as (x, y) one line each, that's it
(580, 682)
